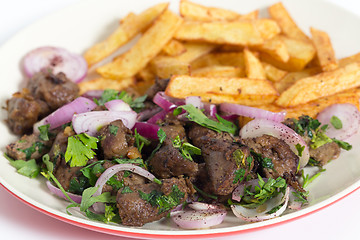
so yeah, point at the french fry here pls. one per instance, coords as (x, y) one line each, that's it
(130, 26)
(144, 50)
(242, 32)
(324, 49)
(253, 66)
(105, 83)
(275, 47)
(165, 67)
(291, 77)
(321, 85)
(272, 73)
(300, 52)
(174, 48)
(146, 74)
(251, 15)
(235, 59)
(286, 23)
(217, 90)
(196, 12)
(348, 60)
(194, 51)
(219, 71)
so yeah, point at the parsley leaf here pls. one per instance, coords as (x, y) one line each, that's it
(79, 149)
(88, 199)
(239, 175)
(36, 146)
(342, 144)
(264, 161)
(300, 149)
(196, 115)
(336, 122)
(140, 141)
(162, 136)
(27, 168)
(307, 179)
(186, 149)
(44, 132)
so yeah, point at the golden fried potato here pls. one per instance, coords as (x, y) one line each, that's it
(275, 47)
(129, 27)
(320, 85)
(272, 73)
(300, 52)
(291, 77)
(164, 67)
(148, 46)
(174, 48)
(286, 23)
(241, 32)
(235, 59)
(218, 90)
(324, 49)
(253, 66)
(348, 60)
(218, 71)
(105, 83)
(146, 74)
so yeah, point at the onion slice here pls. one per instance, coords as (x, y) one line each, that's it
(65, 113)
(195, 101)
(198, 219)
(56, 60)
(117, 105)
(147, 130)
(259, 214)
(92, 122)
(111, 171)
(259, 127)
(76, 198)
(162, 101)
(252, 112)
(349, 116)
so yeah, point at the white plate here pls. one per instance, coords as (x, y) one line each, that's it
(78, 27)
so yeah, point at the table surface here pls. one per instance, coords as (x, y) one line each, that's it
(18, 221)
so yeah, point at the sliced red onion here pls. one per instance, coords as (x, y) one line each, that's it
(92, 122)
(65, 113)
(203, 206)
(91, 94)
(117, 105)
(294, 205)
(252, 112)
(259, 127)
(159, 116)
(230, 118)
(56, 60)
(198, 219)
(195, 101)
(260, 213)
(147, 130)
(349, 116)
(162, 100)
(148, 113)
(111, 171)
(211, 110)
(76, 198)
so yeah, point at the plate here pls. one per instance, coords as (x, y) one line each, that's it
(76, 29)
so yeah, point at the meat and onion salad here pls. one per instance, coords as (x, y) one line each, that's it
(132, 159)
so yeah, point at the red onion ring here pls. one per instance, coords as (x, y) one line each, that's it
(259, 127)
(252, 112)
(195, 101)
(211, 110)
(76, 198)
(65, 113)
(111, 171)
(148, 113)
(117, 105)
(198, 219)
(57, 60)
(147, 130)
(159, 116)
(349, 116)
(162, 100)
(203, 206)
(253, 215)
(92, 122)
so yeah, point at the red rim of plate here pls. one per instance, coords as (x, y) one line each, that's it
(166, 236)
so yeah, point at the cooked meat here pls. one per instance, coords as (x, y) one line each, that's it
(28, 147)
(159, 85)
(168, 162)
(23, 113)
(172, 131)
(325, 153)
(56, 90)
(128, 178)
(116, 140)
(135, 211)
(283, 158)
(222, 166)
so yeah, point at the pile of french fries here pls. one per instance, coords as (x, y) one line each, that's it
(224, 56)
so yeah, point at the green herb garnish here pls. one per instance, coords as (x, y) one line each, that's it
(336, 122)
(44, 132)
(186, 149)
(80, 149)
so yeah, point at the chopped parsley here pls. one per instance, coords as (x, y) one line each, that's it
(342, 144)
(140, 141)
(161, 201)
(113, 129)
(336, 122)
(300, 149)
(239, 175)
(27, 168)
(44, 132)
(264, 161)
(186, 149)
(136, 161)
(111, 94)
(196, 115)
(80, 149)
(307, 179)
(36, 146)
(162, 136)
(126, 189)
